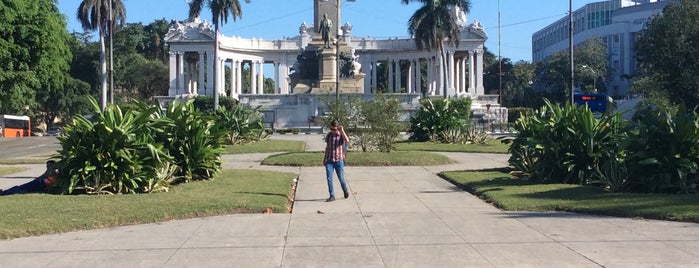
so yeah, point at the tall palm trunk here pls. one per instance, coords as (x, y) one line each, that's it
(103, 72)
(445, 83)
(215, 69)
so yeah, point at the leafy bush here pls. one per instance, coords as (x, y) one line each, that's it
(370, 124)
(241, 124)
(194, 142)
(114, 153)
(663, 152)
(382, 116)
(438, 115)
(565, 144)
(206, 103)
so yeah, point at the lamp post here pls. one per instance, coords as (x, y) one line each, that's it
(570, 48)
(594, 77)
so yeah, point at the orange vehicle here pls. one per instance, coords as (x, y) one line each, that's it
(12, 126)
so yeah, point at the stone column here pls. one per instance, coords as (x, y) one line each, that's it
(260, 78)
(201, 83)
(471, 74)
(457, 76)
(277, 85)
(231, 86)
(430, 71)
(180, 72)
(253, 75)
(480, 90)
(374, 83)
(451, 65)
(239, 76)
(209, 73)
(221, 90)
(399, 77)
(463, 76)
(418, 76)
(390, 76)
(173, 74)
(409, 78)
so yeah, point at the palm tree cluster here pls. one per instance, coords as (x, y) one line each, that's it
(434, 24)
(95, 15)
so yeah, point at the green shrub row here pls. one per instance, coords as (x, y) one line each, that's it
(658, 152)
(141, 149)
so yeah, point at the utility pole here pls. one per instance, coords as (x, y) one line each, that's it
(499, 59)
(111, 54)
(572, 58)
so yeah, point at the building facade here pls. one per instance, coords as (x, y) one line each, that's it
(615, 22)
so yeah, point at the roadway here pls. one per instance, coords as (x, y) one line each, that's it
(21, 147)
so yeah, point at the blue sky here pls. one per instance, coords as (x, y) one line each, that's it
(274, 19)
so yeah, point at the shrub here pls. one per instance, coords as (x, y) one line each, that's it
(435, 116)
(565, 144)
(113, 153)
(193, 141)
(240, 124)
(663, 152)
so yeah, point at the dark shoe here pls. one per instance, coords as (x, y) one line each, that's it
(330, 199)
(346, 194)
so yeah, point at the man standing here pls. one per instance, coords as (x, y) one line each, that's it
(325, 29)
(334, 158)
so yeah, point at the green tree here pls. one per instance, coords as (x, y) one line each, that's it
(667, 53)
(553, 75)
(143, 78)
(85, 62)
(94, 15)
(220, 10)
(433, 24)
(34, 55)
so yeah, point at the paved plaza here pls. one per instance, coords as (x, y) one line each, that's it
(395, 217)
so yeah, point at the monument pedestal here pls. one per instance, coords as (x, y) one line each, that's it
(328, 71)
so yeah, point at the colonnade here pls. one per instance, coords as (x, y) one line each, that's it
(463, 70)
(189, 74)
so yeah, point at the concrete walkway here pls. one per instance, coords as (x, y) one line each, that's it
(395, 217)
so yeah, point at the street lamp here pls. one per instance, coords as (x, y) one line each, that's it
(594, 77)
(570, 48)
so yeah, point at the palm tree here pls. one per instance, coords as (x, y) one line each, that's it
(94, 15)
(220, 10)
(434, 24)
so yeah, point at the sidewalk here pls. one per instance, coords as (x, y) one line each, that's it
(395, 217)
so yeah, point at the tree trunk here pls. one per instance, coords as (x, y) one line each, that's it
(103, 72)
(216, 69)
(445, 77)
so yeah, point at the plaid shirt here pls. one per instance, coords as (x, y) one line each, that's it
(334, 151)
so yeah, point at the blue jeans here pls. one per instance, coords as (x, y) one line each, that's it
(339, 168)
(34, 186)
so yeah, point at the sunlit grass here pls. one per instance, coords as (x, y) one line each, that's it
(235, 191)
(507, 193)
(494, 146)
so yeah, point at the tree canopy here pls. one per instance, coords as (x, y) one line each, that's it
(668, 54)
(34, 55)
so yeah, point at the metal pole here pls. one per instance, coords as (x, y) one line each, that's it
(499, 59)
(111, 54)
(337, 55)
(572, 58)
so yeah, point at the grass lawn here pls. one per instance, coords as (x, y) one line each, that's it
(497, 187)
(266, 146)
(408, 158)
(5, 170)
(235, 191)
(494, 146)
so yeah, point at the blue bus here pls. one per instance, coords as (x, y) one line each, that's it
(596, 102)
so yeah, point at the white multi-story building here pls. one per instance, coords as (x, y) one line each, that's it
(615, 22)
